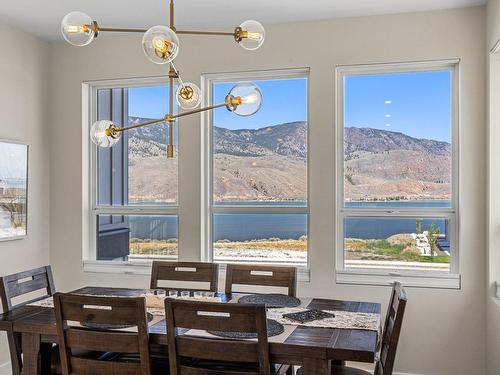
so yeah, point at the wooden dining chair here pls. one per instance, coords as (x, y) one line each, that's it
(185, 271)
(384, 363)
(190, 355)
(244, 274)
(101, 340)
(20, 286)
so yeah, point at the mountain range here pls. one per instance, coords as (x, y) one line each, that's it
(270, 163)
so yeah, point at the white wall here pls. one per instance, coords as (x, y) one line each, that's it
(444, 331)
(23, 111)
(493, 261)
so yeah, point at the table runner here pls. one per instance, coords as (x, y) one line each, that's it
(153, 310)
(342, 319)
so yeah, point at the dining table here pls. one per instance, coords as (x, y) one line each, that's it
(313, 348)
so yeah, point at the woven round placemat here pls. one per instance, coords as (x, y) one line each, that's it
(270, 300)
(273, 329)
(105, 326)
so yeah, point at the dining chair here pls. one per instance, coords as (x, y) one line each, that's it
(384, 363)
(185, 271)
(244, 274)
(191, 354)
(113, 329)
(17, 290)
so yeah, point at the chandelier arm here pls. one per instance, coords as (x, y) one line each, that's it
(120, 30)
(140, 125)
(170, 146)
(183, 32)
(187, 113)
(178, 75)
(215, 33)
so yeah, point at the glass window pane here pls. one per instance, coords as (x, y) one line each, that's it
(397, 139)
(136, 237)
(266, 238)
(262, 158)
(416, 244)
(152, 177)
(136, 170)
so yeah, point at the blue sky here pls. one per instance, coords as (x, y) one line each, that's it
(417, 104)
(277, 106)
(283, 101)
(148, 102)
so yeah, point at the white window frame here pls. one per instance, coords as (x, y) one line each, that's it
(384, 277)
(91, 209)
(208, 208)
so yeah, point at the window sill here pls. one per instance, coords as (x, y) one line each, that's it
(144, 268)
(443, 281)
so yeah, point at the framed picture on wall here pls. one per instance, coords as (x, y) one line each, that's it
(13, 190)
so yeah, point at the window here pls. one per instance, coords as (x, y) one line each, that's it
(134, 185)
(397, 169)
(256, 167)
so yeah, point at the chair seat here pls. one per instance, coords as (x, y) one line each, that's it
(340, 370)
(159, 362)
(55, 358)
(276, 369)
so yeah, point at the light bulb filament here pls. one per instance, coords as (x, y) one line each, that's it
(76, 29)
(249, 99)
(162, 48)
(187, 93)
(251, 35)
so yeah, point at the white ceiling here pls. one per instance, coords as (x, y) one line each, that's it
(43, 17)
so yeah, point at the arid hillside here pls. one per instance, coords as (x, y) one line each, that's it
(269, 164)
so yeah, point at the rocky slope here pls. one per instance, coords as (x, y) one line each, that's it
(270, 164)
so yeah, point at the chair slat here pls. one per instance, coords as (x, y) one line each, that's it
(97, 309)
(223, 350)
(185, 271)
(216, 317)
(121, 342)
(242, 274)
(186, 370)
(25, 282)
(83, 366)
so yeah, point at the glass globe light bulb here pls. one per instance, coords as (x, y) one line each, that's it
(244, 99)
(78, 29)
(103, 133)
(160, 44)
(250, 35)
(188, 96)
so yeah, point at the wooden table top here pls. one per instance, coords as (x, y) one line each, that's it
(336, 344)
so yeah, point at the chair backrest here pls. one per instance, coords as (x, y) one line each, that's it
(391, 331)
(244, 274)
(185, 271)
(216, 317)
(73, 337)
(22, 283)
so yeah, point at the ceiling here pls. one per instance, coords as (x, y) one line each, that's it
(43, 17)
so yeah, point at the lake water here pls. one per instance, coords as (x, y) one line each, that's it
(244, 227)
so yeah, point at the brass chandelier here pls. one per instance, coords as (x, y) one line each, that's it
(161, 46)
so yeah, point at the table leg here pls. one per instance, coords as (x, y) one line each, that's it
(46, 354)
(316, 366)
(15, 351)
(31, 354)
